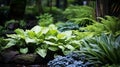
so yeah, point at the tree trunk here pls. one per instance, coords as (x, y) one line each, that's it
(65, 4)
(58, 3)
(17, 9)
(99, 8)
(39, 8)
(102, 8)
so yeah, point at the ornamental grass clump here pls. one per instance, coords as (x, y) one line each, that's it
(105, 48)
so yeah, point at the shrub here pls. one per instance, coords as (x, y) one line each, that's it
(79, 12)
(45, 19)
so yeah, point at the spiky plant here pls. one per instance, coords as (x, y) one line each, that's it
(104, 48)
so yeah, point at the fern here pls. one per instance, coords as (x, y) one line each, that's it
(111, 23)
(79, 12)
(83, 22)
(107, 25)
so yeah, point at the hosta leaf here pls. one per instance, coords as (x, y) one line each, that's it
(69, 47)
(52, 27)
(10, 43)
(61, 47)
(61, 36)
(51, 38)
(23, 50)
(66, 52)
(45, 30)
(29, 40)
(19, 31)
(53, 48)
(50, 43)
(42, 52)
(12, 35)
(30, 33)
(53, 32)
(36, 29)
(67, 33)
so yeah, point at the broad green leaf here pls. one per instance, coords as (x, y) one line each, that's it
(61, 47)
(31, 34)
(44, 30)
(53, 32)
(10, 44)
(19, 31)
(36, 29)
(51, 38)
(50, 43)
(52, 27)
(12, 35)
(67, 33)
(53, 48)
(61, 36)
(42, 52)
(23, 50)
(69, 47)
(66, 52)
(29, 40)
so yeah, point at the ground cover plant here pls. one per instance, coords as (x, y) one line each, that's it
(71, 60)
(67, 26)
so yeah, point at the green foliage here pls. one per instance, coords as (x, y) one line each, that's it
(113, 65)
(41, 40)
(107, 25)
(104, 48)
(2, 29)
(81, 35)
(79, 12)
(30, 10)
(111, 23)
(83, 22)
(67, 26)
(45, 19)
(97, 27)
(56, 13)
(2, 43)
(19, 23)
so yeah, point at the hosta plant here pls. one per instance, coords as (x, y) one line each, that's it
(67, 26)
(40, 40)
(104, 48)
